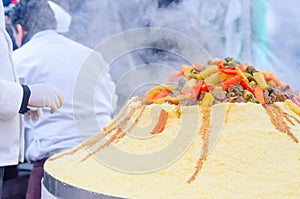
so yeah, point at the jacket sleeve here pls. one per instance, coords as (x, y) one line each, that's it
(11, 94)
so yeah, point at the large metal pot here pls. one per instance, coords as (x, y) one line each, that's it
(53, 188)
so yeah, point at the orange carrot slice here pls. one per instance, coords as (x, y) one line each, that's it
(231, 81)
(259, 94)
(197, 89)
(162, 94)
(161, 122)
(150, 96)
(277, 81)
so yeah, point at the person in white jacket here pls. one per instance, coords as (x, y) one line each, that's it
(63, 18)
(46, 56)
(14, 101)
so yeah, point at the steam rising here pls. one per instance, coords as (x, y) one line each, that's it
(209, 22)
(215, 24)
(222, 27)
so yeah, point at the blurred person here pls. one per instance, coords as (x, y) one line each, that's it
(14, 101)
(65, 11)
(46, 56)
(8, 28)
(6, 2)
(62, 17)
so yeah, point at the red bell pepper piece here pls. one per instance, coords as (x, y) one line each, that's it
(268, 77)
(247, 86)
(295, 101)
(207, 88)
(242, 68)
(163, 93)
(219, 64)
(231, 81)
(175, 76)
(197, 68)
(247, 64)
(228, 71)
(197, 89)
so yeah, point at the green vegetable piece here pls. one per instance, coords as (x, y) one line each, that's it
(251, 70)
(270, 89)
(247, 95)
(229, 59)
(234, 63)
(253, 100)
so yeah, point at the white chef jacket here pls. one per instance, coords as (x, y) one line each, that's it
(52, 58)
(11, 93)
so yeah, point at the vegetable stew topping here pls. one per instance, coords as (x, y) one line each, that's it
(218, 81)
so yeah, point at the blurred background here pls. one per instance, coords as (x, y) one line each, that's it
(262, 32)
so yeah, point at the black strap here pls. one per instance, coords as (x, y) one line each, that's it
(26, 95)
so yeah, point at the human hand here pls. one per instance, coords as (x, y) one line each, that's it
(45, 95)
(34, 114)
